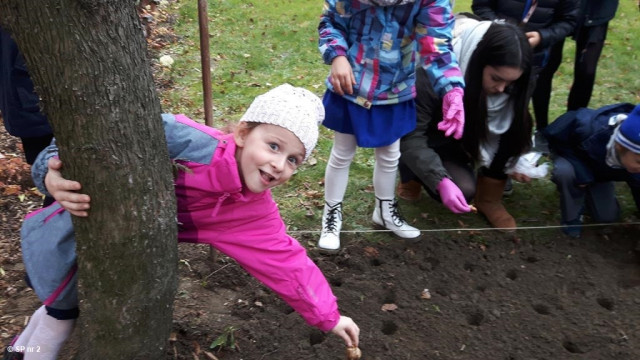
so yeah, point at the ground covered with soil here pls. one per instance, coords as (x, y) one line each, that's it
(448, 296)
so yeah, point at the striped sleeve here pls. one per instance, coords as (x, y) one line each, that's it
(434, 28)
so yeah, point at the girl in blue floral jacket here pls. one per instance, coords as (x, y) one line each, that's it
(373, 47)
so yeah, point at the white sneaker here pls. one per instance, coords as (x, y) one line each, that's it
(386, 215)
(331, 225)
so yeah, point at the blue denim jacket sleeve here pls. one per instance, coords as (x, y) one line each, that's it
(39, 168)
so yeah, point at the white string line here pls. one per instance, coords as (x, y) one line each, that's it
(472, 229)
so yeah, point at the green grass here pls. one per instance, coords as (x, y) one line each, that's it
(254, 46)
(258, 45)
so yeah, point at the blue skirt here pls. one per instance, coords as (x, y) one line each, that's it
(378, 126)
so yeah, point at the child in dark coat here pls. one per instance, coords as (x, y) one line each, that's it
(591, 149)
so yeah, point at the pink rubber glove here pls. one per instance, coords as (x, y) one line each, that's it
(452, 197)
(452, 113)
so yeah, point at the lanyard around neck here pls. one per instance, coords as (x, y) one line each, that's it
(529, 8)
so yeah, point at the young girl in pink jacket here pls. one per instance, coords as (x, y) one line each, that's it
(223, 199)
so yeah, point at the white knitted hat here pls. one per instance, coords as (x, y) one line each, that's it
(295, 109)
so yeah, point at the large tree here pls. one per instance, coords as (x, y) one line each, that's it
(89, 64)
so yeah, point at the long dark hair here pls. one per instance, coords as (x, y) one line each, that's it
(502, 45)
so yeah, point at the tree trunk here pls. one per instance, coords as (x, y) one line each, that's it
(89, 64)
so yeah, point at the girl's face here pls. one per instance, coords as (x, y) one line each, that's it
(267, 156)
(496, 79)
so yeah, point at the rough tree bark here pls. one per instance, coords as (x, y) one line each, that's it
(89, 64)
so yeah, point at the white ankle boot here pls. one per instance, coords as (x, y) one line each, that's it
(331, 225)
(386, 215)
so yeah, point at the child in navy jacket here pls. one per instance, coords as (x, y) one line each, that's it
(591, 149)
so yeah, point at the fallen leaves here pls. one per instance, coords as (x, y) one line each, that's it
(312, 161)
(371, 252)
(13, 169)
(15, 176)
(313, 194)
(210, 356)
(11, 190)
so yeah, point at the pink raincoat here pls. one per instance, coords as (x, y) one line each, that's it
(213, 208)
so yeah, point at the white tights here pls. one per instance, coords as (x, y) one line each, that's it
(44, 335)
(337, 173)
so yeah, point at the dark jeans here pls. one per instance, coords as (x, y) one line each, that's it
(542, 92)
(598, 198)
(462, 175)
(589, 44)
(32, 146)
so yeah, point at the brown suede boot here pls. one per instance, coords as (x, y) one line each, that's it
(489, 202)
(410, 191)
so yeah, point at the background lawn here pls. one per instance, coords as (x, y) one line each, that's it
(258, 45)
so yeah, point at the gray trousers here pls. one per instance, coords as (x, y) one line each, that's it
(599, 198)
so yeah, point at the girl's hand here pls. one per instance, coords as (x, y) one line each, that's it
(65, 191)
(520, 177)
(534, 38)
(348, 331)
(452, 113)
(452, 197)
(341, 76)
